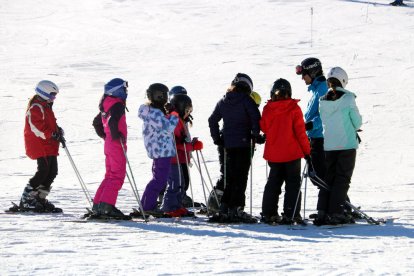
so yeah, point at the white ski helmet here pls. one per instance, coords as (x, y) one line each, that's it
(45, 89)
(339, 74)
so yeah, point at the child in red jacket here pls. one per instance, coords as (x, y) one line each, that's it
(286, 143)
(41, 137)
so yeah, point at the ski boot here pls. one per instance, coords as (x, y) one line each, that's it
(213, 203)
(108, 211)
(29, 201)
(239, 215)
(271, 219)
(48, 207)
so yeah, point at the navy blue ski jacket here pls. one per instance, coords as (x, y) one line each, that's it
(241, 118)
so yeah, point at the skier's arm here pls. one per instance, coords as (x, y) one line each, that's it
(355, 116)
(299, 130)
(116, 112)
(213, 123)
(37, 122)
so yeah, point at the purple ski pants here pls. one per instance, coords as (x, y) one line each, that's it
(160, 171)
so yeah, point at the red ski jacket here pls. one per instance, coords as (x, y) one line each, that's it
(286, 140)
(183, 146)
(39, 127)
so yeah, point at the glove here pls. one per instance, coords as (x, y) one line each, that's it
(56, 136)
(219, 142)
(260, 139)
(169, 108)
(60, 131)
(311, 169)
(309, 125)
(198, 145)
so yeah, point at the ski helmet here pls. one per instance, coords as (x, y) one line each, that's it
(284, 88)
(339, 74)
(117, 88)
(157, 93)
(47, 90)
(243, 82)
(182, 104)
(177, 90)
(256, 98)
(310, 66)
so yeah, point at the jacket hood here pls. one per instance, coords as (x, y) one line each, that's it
(282, 106)
(234, 98)
(333, 106)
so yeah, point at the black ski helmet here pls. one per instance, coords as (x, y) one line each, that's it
(284, 88)
(181, 103)
(157, 93)
(310, 66)
(243, 83)
(177, 90)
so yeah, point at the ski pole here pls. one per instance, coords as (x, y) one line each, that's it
(300, 186)
(133, 183)
(189, 177)
(204, 182)
(82, 183)
(251, 175)
(202, 179)
(323, 184)
(208, 173)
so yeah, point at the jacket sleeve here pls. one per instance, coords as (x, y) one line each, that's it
(355, 116)
(213, 123)
(37, 122)
(300, 132)
(116, 112)
(264, 124)
(98, 125)
(181, 137)
(254, 115)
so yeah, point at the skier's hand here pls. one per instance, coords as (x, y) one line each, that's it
(309, 125)
(259, 139)
(56, 136)
(61, 131)
(197, 145)
(219, 142)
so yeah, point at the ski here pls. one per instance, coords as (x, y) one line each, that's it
(15, 209)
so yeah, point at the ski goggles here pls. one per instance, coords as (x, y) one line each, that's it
(49, 96)
(124, 85)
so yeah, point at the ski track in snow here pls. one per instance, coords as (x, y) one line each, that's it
(201, 45)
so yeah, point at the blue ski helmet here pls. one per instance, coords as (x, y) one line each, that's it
(117, 88)
(177, 90)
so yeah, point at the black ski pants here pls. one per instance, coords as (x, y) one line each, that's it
(237, 172)
(220, 182)
(340, 166)
(288, 172)
(47, 170)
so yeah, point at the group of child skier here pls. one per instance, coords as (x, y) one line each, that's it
(325, 136)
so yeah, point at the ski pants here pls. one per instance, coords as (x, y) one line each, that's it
(47, 170)
(220, 182)
(115, 164)
(160, 172)
(174, 192)
(288, 173)
(237, 169)
(340, 166)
